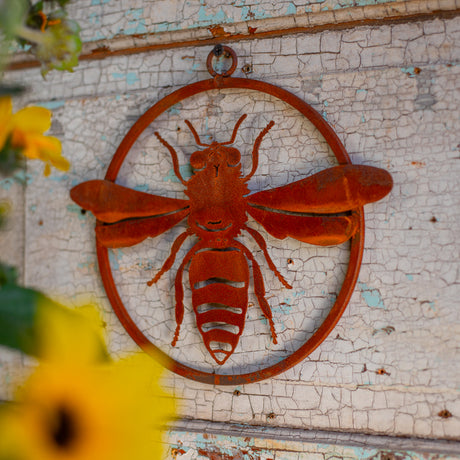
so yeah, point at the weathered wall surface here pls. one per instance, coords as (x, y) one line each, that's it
(391, 92)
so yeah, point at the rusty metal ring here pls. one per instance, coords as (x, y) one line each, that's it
(356, 249)
(227, 73)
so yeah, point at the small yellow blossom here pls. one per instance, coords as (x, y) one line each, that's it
(77, 407)
(24, 130)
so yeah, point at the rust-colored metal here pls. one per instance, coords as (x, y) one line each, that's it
(327, 206)
(218, 51)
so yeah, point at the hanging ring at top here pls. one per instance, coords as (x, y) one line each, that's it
(218, 51)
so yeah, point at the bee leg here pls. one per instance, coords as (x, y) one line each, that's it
(172, 257)
(179, 291)
(263, 245)
(259, 289)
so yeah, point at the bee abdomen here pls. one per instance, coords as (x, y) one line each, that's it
(219, 282)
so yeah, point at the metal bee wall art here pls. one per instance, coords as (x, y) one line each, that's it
(322, 209)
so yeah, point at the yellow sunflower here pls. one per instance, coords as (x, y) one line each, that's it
(77, 409)
(24, 130)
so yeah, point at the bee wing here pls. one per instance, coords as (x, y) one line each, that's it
(133, 231)
(320, 230)
(110, 202)
(333, 190)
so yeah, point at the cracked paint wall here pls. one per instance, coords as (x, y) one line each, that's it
(391, 93)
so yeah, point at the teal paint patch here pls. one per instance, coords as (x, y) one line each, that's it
(135, 13)
(291, 9)
(409, 277)
(135, 28)
(77, 210)
(51, 105)
(59, 177)
(94, 18)
(142, 188)
(363, 119)
(146, 265)
(409, 71)
(371, 296)
(7, 183)
(326, 104)
(162, 27)
(364, 452)
(186, 172)
(207, 19)
(283, 307)
(114, 256)
(130, 77)
(196, 67)
(32, 208)
(103, 137)
(324, 115)
(20, 177)
(361, 90)
(99, 2)
(249, 13)
(89, 264)
(175, 109)
(136, 25)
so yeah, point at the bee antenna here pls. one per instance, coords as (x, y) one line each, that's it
(235, 130)
(195, 135)
(255, 149)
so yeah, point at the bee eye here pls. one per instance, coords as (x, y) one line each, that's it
(233, 156)
(198, 160)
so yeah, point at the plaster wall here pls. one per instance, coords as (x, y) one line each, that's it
(391, 93)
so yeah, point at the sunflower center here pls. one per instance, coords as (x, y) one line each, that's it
(63, 430)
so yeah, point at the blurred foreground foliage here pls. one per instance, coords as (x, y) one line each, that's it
(43, 29)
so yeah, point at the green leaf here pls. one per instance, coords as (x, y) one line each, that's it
(11, 159)
(8, 274)
(12, 15)
(61, 3)
(4, 210)
(60, 44)
(18, 308)
(11, 90)
(34, 18)
(20, 326)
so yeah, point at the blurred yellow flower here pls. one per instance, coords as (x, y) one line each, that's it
(24, 131)
(84, 409)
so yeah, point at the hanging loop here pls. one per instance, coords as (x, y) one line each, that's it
(220, 51)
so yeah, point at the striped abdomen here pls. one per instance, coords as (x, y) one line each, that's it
(219, 281)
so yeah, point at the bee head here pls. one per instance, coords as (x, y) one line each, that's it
(216, 153)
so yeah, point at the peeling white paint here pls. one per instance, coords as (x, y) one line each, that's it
(392, 95)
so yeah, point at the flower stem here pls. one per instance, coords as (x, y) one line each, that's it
(31, 35)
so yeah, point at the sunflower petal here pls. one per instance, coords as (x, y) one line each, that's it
(6, 108)
(67, 333)
(33, 119)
